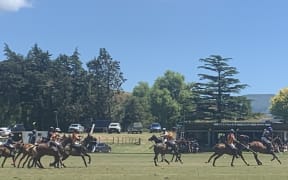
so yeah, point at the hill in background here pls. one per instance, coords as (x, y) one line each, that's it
(260, 103)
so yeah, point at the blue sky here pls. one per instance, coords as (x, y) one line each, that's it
(149, 37)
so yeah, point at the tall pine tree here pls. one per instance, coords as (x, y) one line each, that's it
(217, 87)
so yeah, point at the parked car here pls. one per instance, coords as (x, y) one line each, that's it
(4, 131)
(135, 127)
(155, 127)
(114, 127)
(103, 147)
(77, 127)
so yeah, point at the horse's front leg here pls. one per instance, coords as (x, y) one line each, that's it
(214, 161)
(13, 159)
(256, 159)
(241, 155)
(156, 159)
(2, 165)
(275, 157)
(233, 157)
(214, 154)
(89, 158)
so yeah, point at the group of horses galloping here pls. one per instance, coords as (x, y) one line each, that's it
(255, 147)
(244, 144)
(34, 153)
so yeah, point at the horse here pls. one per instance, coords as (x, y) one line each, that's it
(161, 148)
(278, 144)
(90, 143)
(25, 150)
(43, 149)
(74, 150)
(6, 153)
(222, 148)
(258, 146)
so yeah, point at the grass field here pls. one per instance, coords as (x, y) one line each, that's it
(140, 166)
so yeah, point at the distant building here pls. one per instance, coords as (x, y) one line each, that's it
(211, 133)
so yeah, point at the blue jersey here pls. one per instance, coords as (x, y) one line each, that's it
(267, 134)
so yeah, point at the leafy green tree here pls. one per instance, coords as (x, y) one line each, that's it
(106, 80)
(171, 99)
(279, 105)
(11, 83)
(137, 108)
(217, 89)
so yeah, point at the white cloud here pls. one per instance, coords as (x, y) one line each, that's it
(14, 5)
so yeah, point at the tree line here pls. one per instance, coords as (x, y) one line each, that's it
(60, 91)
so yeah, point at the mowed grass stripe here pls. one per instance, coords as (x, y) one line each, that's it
(140, 166)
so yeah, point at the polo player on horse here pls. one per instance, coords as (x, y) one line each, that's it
(267, 138)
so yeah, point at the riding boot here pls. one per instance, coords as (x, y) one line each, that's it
(269, 148)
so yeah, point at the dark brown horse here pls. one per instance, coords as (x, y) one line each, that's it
(71, 149)
(221, 148)
(161, 149)
(6, 153)
(43, 149)
(258, 146)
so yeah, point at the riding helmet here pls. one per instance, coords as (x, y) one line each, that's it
(232, 131)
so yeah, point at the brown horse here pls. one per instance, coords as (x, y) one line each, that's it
(6, 153)
(160, 148)
(71, 149)
(220, 149)
(26, 150)
(43, 149)
(258, 146)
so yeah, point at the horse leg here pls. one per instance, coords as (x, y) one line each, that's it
(256, 159)
(18, 154)
(241, 155)
(2, 165)
(163, 157)
(173, 155)
(89, 158)
(275, 157)
(214, 154)
(219, 155)
(38, 163)
(178, 157)
(233, 157)
(84, 160)
(13, 159)
(156, 159)
(23, 156)
(27, 158)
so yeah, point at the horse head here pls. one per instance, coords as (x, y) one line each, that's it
(277, 140)
(155, 139)
(66, 140)
(244, 139)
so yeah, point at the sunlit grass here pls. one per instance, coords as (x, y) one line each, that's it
(110, 166)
